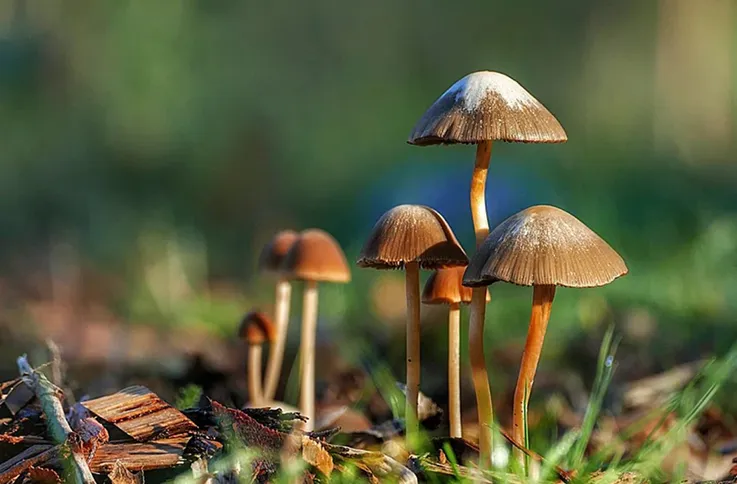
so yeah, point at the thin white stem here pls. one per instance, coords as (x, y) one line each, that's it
(412, 283)
(454, 370)
(307, 350)
(255, 392)
(276, 352)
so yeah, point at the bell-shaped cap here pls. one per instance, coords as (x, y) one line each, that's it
(272, 255)
(256, 328)
(316, 256)
(486, 106)
(445, 286)
(544, 245)
(412, 233)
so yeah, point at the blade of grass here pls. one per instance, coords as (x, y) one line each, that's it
(604, 371)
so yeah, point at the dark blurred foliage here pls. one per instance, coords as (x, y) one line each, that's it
(156, 145)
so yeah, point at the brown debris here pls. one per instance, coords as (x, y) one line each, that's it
(121, 475)
(315, 455)
(159, 454)
(140, 413)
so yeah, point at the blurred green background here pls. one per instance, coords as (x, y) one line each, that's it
(149, 149)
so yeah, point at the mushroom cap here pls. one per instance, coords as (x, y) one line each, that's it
(444, 286)
(486, 106)
(412, 233)
(272, 255)
(316, 256)
(544, 245)
(256, 328)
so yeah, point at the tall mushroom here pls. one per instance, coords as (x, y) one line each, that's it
(478, 109)
(409, 237)
(444, 287)
(314, 257)
(270, 261)
(255, 329)
(543, 247)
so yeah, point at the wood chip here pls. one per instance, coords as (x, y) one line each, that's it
(32, 456)
(136, 456)
(140, 413)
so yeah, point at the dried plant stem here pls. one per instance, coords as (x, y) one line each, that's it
(255, 392)
(412, 282)
(276, 352)
(542, 300)
(454, 370)
(56, 422)
(478, 308)
(307, 350)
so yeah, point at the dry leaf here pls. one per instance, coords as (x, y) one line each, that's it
(121, 475)
(39, 475)
(314, 454)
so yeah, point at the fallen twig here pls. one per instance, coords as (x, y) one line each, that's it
(56, 422)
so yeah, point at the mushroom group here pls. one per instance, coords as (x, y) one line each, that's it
(542, 246)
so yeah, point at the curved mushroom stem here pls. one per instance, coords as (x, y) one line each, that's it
(276, 352)
(542, 300)
(454, 370)
(307, 349)
(478, 308)
(412, 283)
(255, 394)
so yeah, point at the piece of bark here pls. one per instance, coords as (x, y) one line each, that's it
(56, 422)
(39, 475)
(33, 456)
(140, 456)
(16, 396)
(141, 414)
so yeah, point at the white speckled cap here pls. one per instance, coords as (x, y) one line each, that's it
(544, 245)
(487, 106)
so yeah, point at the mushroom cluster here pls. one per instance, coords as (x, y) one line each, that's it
(541, 246)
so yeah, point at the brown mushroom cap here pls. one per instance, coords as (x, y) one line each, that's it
(272, 255)
(444, 286)
(256, 328)
(486, 106)
(316, 256)
(544, 245)
(412, 233)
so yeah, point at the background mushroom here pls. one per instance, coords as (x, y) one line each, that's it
(543, 247)
(444, 287)
(255, 329)
(314, 257)
(482, 107)
(270, 261)
(409, 237)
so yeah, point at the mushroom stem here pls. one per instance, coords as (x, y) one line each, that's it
(454, 370)
(276, 352)
(478, 307)
(479, 375)
(478, 192)
(542, 300)
(255, 393)
(412, 271)
(307, 349)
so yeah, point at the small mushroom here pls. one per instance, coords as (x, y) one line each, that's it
(478, 109)
(314, 257)
(444, 287)
(409, 237)
(270, 261)
(543, 247)
(255, 329)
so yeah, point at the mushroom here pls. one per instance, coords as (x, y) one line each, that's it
(255, 329)
(444, 287)
(409, 237)
(314, 257)
(270, 261)
(478, 109)
(543, 247)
